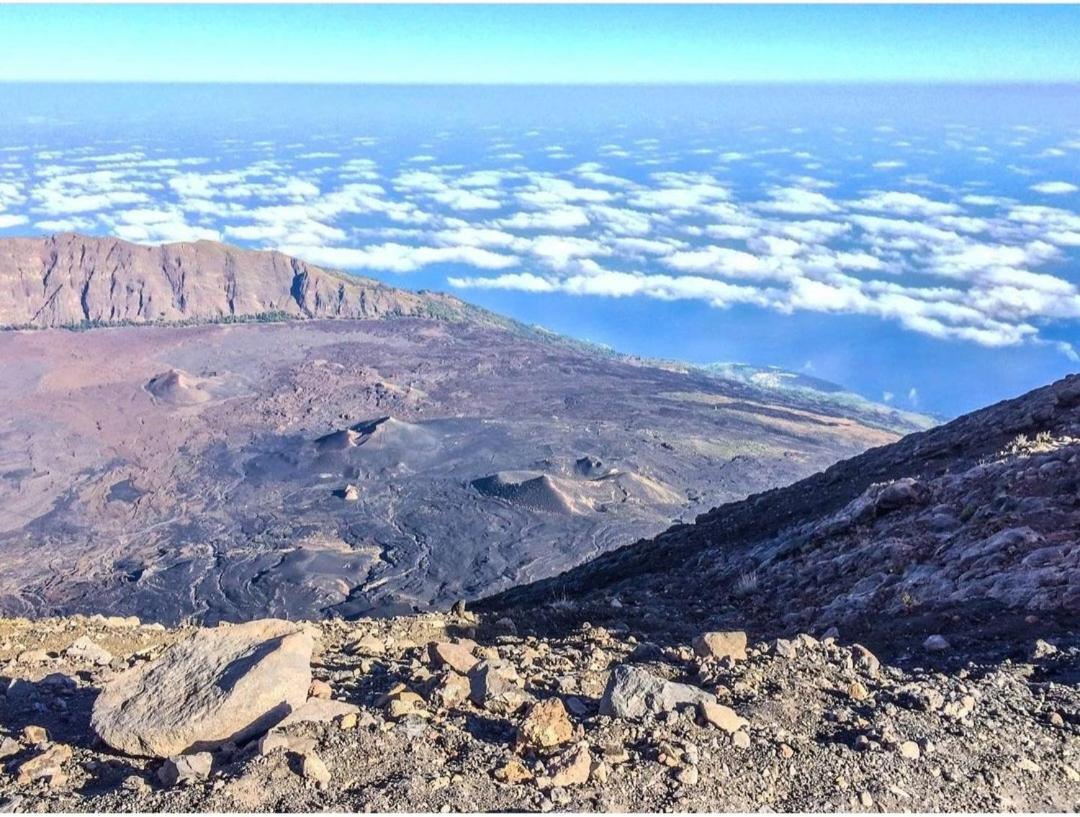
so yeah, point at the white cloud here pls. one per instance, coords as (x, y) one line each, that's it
(798, 201)
(11, 220)
(562, 218)
(467, 199)
(1054, 188)
(904, 204)
(722, 261)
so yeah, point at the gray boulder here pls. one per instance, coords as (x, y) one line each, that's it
(491, 689)
(220, 685)
(635, 693)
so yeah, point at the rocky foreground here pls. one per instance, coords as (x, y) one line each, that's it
(460, 713)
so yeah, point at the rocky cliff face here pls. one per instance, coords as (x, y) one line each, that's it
(69, 279)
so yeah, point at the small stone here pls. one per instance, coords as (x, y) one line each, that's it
(720, 716)
(32, 657)
(741, 740)
(347, 721)
(936, 643)
(599, 773)
(572, 767)
(721, 644)
(9, 747)
(857, 692)
(368, 645)
(136, 784)
(615, 754)
(320, 689)
(184, 769)
(450, 690)
(458, 657)
(351, 493)
(687, 776)
(646, 651)
(46, 766)
(513, 772)
(313, 768)
(785, 648)
(1056, 719)
(84, 649)
(546, 725)
(35, 735)
(402, 703)
(958, 710)
(1041, 649)
(289, 743)
(866, 799)
(786, 751)
(910, 750)
(506, 625)
(490, 689)
(865, 660)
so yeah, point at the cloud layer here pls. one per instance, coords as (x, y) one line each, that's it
(844, 224)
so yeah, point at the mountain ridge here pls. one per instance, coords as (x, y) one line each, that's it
(68, 280)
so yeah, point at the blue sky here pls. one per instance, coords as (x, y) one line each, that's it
(530, 43)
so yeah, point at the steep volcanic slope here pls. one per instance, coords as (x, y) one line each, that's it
(69, 279)
(967, 528)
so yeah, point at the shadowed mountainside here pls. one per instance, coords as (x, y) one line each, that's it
(978, 515)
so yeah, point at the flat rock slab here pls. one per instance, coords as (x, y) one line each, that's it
(229, 683)
(319, 710)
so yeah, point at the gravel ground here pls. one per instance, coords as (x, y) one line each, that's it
(828, 727)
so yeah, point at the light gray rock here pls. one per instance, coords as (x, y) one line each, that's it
(84, 649)
(785, 648)
(182, 769)
(635, 693)
(229, 683)
(491, 689)
(318, 710)
(936, 643)
(290, 743)
(314, 769)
